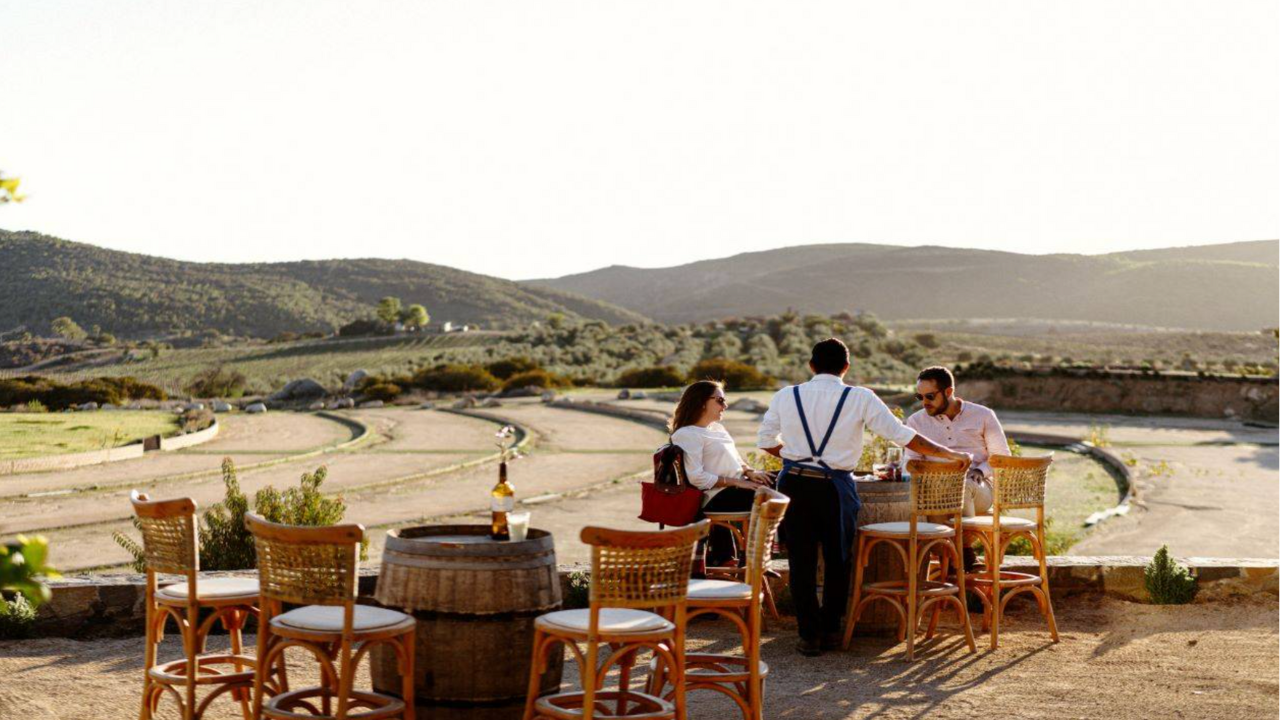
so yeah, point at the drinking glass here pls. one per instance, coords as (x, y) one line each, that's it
(518, 522)
(893, 457)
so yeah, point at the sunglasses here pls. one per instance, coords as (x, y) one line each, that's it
(928, 396)
(720, 400)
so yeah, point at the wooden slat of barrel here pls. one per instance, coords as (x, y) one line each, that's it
(881, 502)
(475, 600)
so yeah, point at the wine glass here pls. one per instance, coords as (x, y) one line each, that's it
(893, 457)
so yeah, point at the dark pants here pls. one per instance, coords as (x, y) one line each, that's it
(731, 499)
(813, 521)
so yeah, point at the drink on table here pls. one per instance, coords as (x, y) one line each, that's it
(893, 456)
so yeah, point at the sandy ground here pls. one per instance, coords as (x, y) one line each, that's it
(1116, 660)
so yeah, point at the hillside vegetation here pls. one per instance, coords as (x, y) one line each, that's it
(132, 295)
(1220, 287)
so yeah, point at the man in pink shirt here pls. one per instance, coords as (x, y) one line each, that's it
(962, 426)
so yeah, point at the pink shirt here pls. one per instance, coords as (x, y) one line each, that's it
(974, 430)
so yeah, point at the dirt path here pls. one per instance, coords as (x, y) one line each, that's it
(1204, 487)
(1117, 660)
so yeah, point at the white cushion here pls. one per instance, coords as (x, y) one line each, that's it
(214, 588)
(703, 589)
(328, 618)
(902, 527)
(612, 620)
(1006, 521)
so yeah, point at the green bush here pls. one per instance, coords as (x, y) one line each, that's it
(534, 378)
(1167, 582)
(455, 378)
(23, 569)
(35, 406)
(218, 382)
(384, 391)
(57, 396)
(651, 377)
(225, 542)
(735, 375)
(17, 616)
(507, 367)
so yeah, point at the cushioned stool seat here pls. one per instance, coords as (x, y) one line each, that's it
(1007, 522)
(328, 618)
(903, 528)
(213, 589)
(612, 620)
(718, 590)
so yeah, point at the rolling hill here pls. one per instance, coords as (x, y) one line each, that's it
(134, 295)
(1219, 287)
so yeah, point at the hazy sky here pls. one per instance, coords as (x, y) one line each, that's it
(534, 138)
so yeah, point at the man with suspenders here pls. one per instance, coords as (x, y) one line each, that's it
(816, 429)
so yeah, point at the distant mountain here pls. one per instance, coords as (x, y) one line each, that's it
(133, 295)
(1217, 287)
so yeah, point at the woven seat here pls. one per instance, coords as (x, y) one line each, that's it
(612, 620)
(1008, 522)
(169, 546)
(213, 589)
(902, 528)
(1016, 483)
(937, 488)
(316, 567)
(328, 618)
(634, 576)
(740, 677)
(703, 589)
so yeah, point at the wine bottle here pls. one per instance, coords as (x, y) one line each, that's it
(502, 500)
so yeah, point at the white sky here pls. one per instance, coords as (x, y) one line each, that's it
(538, 138)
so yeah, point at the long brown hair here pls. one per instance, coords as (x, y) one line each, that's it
(692, 402)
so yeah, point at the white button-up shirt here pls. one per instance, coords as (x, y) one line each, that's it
(709, 454)
(781, 425)
(974, 430)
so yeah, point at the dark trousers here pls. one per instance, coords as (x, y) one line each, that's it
(812, 522)
(731, 499)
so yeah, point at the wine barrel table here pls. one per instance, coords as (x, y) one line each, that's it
(882, 501)
(475, 600)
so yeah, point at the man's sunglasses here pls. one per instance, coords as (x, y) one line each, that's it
(928, 396)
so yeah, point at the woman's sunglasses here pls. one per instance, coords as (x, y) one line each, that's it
(721, 400)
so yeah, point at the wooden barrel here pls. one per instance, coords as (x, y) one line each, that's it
(882, 501)
(475, 600)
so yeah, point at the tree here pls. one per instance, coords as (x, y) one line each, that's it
(415, 316)
(389, 309)
(67, 328)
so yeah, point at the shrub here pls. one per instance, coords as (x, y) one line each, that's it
(23, 569)
(507, 367)
(218, 382)
(927, 340)
(56, 396)
(35, 406)
(651, 377)
(225, 543)
(195, 420)
(1167, 582)
(455, 378)
(735, 375)
(367, 326)
(17, 616)
(384, 391)
(534, 378)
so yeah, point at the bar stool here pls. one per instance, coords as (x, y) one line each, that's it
(739, 677)
(738, 524)
(169, 546)
(633, 575)
(937, 488)
(315, 567)
(1018, 482)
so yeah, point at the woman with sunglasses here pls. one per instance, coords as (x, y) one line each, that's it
(711, 460)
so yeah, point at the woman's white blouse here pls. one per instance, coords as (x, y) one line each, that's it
(709, 454)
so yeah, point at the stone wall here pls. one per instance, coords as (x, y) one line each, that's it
(1128, 393)
(71, 460)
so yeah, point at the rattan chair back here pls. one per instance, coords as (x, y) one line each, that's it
(641, 569)
(766, 516)
(1019, 481)
(168, 533)
(937, 488)
(306, 565)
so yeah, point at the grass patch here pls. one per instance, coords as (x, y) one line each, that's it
(25, 436)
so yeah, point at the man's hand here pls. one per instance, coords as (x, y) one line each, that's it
(977, 476)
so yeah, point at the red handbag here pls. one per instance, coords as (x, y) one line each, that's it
(669, 499)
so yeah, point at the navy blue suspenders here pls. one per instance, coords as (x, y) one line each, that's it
(804, 422)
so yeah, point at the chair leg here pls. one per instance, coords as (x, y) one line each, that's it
(149, 661)
(407, 691)
(962, 603)
(855, 597)
(191, 644)
(913, 602)
(943, 566)
(625, 663)
(994, 559)
(535, 677)
(678, 672)
(1044, 587)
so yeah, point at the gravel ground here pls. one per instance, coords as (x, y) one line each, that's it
(1117, 660)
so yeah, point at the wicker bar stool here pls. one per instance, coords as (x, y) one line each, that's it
(1017, 483)
(315, 567)
(633, 575)
(738, 524)
(937, 488)
(741, 678)
(169, 546)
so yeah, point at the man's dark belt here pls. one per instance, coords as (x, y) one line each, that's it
(813, 473)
